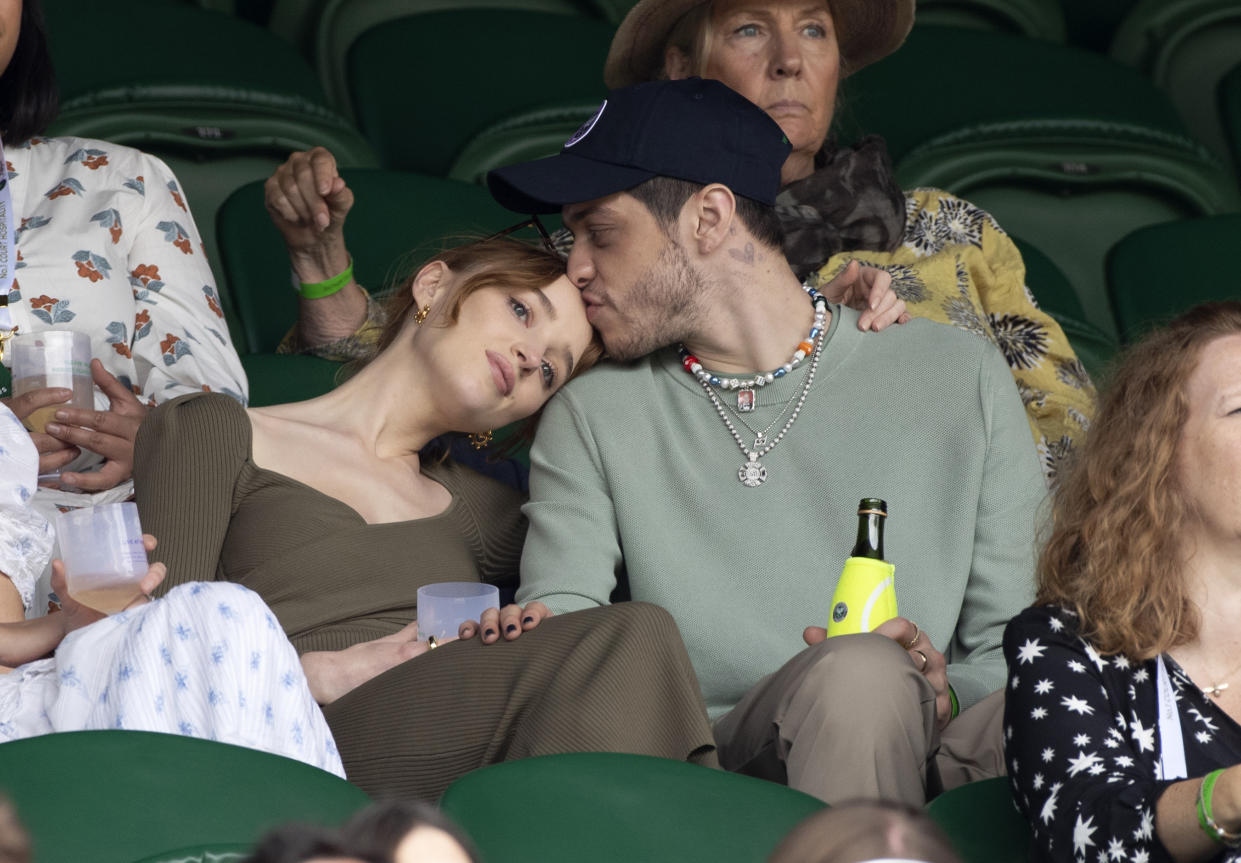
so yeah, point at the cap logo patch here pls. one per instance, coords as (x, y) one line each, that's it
(585, 128)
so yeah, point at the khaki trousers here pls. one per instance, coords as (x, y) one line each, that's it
(852, 718)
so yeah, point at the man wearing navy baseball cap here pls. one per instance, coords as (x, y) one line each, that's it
(716, 470)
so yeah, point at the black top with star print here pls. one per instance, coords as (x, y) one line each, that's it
(1081, 741)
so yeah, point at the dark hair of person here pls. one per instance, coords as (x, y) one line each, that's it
(380, 827)
(28, 98)
(297, 843)
(664, 197)
(1119, 512)
(860, 830)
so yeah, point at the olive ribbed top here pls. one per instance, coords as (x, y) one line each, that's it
(332, 579)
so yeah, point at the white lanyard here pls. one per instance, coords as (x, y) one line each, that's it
(1171, 741)
(8, 251)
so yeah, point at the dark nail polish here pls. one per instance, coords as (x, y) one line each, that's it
(512, 627)
(489, 632)
(527, 620)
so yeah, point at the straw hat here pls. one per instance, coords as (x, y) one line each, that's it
(866, 30)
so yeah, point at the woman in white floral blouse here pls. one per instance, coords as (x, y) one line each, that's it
(1124, 696)
(97, 238)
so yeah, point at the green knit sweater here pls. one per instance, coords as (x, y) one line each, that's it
(634, 476)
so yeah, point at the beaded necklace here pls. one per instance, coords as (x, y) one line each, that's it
(752, 473)
(745, 386)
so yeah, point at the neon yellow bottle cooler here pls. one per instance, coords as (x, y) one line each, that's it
(865, 595)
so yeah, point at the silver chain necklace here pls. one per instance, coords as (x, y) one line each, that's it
(752, 473)
(760, 437)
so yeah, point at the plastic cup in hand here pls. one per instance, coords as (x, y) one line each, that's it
(56, 358)
(103, 554)
(443, 607)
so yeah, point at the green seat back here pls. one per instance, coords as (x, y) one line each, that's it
(1025, 78)
(606, 807)
(1090, 24)
(1075, 187)
(279, 378)
(418, 116)
(1229, 97)
(217, 125)
(1037, 19)
(334, 26)
(982, 822)
(117, 796)
(523, 136)
(1055, 295)
(397, 220)
(1186, 47)
(1158, 272)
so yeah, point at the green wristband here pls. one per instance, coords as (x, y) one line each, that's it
(1206, 818)
(956, 705)
(318, 290)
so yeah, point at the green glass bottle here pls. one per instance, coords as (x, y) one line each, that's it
(865, 595)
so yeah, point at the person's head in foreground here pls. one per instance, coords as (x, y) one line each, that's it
(866, 831)
(668, 189)
(14, 844)
(493, 328)
(786, 56)
(28, 98)
(1148, 515)
(389, 832)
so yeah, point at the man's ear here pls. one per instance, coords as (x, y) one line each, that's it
(429, 282)
(715, 212)
(676, 63)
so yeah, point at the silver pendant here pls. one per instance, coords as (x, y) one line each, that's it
(745, 400)
(752, 474)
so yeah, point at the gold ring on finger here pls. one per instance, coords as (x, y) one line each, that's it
(432, 643)
(909, 645)
(925, 661)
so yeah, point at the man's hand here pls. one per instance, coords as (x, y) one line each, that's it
(308, 200)
(869, 290)
(922, 654)
(333, 673)
(53, 454)
(510, 621)
(109, 433)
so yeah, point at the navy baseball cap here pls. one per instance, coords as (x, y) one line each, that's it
(690, 129)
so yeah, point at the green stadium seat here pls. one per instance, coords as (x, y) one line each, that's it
(525, 135)
(1158, 272)
(397, 217)
(607, 807)
(1186, 47)
(217, 125)
(1038, 19)
(982, 822)
(1091, 23)
(341, 22)
(117, 796)
(279, 378)
(1229, 95)
(1051, 289)
(1075, 187)
(613, 10)
(418, 118)
(1025, 78)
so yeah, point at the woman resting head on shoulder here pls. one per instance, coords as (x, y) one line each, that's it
(1124, 679)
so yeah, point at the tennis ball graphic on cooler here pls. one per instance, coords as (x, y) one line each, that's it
(865, 596)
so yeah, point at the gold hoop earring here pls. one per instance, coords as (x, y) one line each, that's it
(421, 314)
(478, 440)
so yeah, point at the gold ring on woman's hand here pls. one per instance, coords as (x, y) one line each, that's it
(925, 661)
(432, 643)
(909, 645)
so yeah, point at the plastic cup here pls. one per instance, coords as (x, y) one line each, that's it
(443, 607)
(56, 358)
(103, 554)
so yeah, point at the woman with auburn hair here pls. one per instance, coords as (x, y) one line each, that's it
(1125, 678)
(335, 511)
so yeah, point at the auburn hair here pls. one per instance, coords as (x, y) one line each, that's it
(1114, 552)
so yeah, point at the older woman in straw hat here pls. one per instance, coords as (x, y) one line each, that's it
(949, 260)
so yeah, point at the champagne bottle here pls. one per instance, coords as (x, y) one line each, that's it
(865, 595)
